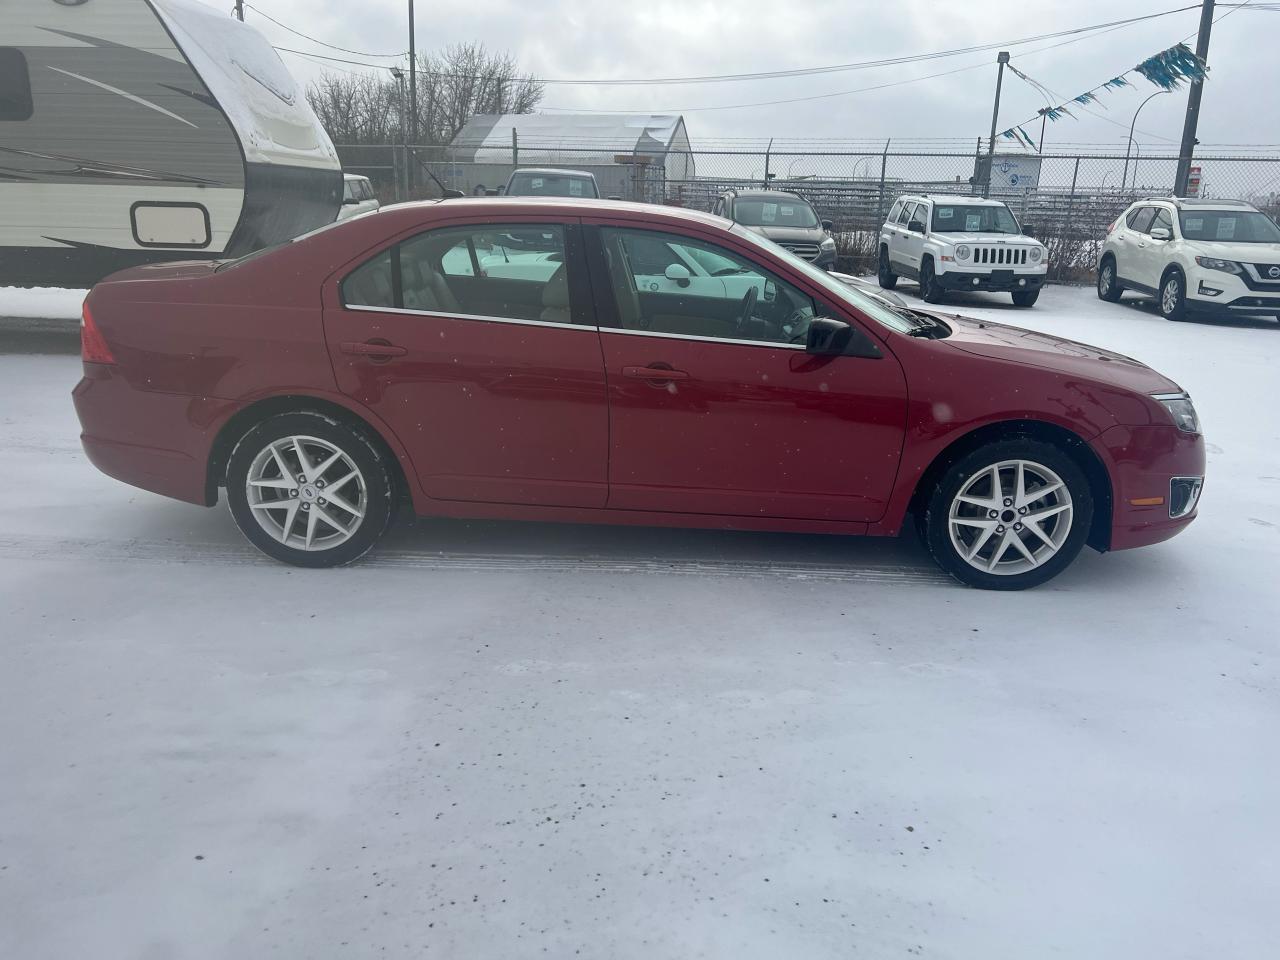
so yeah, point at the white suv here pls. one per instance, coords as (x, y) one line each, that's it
(1194, 256)
(960, 243)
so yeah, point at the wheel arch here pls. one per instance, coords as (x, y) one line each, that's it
(245, 419)
(1072, 443)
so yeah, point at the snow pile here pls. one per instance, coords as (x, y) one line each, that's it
(41, 303)
(252, 85)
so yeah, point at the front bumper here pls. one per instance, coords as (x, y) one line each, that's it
(1225, 294)
(1142, 462)
(1007, 281)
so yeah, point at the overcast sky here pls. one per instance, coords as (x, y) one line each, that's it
(663, 38)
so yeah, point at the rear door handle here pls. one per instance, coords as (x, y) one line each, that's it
(377, 349)
(654, 373)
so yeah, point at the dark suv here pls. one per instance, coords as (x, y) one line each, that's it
(786, 219)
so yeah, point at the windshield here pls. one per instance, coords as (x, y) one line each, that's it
(881, 313)
(1228, 226)
(550, 185)
(782, 212)
(953, 218)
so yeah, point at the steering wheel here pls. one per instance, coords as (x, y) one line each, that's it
(748, 305)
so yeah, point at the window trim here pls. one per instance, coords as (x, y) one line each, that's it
(24, 76)
(185, 204)
(582, 306)
(607, 310)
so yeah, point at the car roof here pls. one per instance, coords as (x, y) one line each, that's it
(563, 206)
(1199, 203)
(759, 194)
(561, 171)
(953, 198)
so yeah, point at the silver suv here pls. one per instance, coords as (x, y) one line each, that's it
(960, 243)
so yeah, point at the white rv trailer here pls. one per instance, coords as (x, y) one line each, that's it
(134, 131)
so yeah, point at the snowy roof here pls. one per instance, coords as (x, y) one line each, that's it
(603, 134)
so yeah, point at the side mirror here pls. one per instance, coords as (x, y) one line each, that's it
(679, 273)
(915, 226)
(828, 225)
(827, 337)
(1028, 230)
(1161, 233)
(770, 291)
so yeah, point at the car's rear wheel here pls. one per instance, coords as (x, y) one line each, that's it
(1009, 516)
(930, 289)
(1108, 286)
(309, 490)
(1173, 296)
(888, 279)
(1025, 298)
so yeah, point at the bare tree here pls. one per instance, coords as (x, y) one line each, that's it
(453, 85)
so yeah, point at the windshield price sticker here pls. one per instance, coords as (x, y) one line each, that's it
(944, 213)
(537, 183)
(769, 212)
(973, 221)
(1226, 228)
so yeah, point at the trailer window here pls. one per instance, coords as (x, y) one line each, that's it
(15, 85)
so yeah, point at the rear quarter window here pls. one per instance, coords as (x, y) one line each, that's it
(15, 85)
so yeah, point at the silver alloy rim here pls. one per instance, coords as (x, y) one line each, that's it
(1010, 517)
(1169, 299)
(1104, 279)
(306, 493)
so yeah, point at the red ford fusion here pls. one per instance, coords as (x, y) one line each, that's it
(588, 361)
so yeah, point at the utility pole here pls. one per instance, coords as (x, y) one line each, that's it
(1002, 58)
(240, 10)
(1193, 103)
(413, 98)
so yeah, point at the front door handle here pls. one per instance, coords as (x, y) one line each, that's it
(378, 350)
(655, 373)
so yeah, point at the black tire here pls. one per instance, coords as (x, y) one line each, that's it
(376, 483)
(935, 522)
(888, 279)
(930, 289)
(1025, 298)
(1108, 285)
(1171, 300)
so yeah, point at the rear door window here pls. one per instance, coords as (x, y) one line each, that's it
(15, 85)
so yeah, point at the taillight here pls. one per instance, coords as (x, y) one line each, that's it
(93, 346)
(1114, 223)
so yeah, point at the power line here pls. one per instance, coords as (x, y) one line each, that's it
(777, 74)
(331, 46)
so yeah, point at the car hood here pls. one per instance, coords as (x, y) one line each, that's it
(791, 234)
(1010, 239)
(1001, 342)
(1246, 252)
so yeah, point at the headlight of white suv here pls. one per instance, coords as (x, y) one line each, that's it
(828, 244)
(962, 252)
(1181, 409)
(1036, 253)
(1213, 263)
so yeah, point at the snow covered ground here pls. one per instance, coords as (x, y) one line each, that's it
(41, 303)
(505, 740)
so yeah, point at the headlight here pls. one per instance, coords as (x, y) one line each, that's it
(962, 252)
(828, 244)
(1035, 254)
(1182, 410)
(1213, 263)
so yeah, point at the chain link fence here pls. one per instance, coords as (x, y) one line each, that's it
(1069, 200)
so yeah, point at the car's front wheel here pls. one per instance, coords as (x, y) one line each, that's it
(309, 490)
(888, 279)
(1173, 297)
(1008, 516)
(930, 289)
(1108, 286)
(1025, 298)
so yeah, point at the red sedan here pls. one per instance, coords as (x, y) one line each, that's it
(587, 361)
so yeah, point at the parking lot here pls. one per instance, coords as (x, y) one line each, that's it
(499, 739)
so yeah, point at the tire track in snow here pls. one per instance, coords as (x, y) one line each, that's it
(99, 550)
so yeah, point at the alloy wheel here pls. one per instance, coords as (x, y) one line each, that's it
(1104, 280)
(306, 493)
(1170, 295)
(1010, 517)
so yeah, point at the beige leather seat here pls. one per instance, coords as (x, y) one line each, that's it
(424, 289)
(555, 298)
